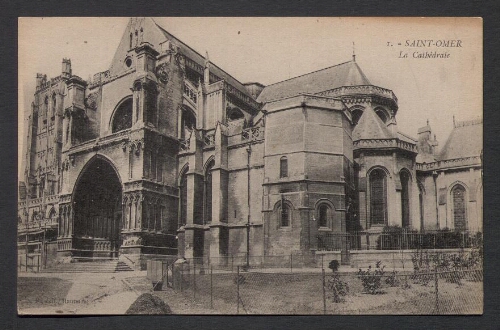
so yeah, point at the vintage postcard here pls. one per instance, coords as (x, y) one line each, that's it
(250, 166)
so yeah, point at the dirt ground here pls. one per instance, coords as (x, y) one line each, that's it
(74, 293)
(259, 293)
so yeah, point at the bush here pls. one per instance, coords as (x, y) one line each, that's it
(392, 279)
(372, 280)
(334, 265)
(149, 304)
(338, 288)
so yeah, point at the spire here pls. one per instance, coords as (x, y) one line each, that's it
(353, 53)
(206, 72)
(427, 121)
(207, 59)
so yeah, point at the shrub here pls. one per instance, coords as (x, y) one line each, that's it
(338, 288)
(392, 279)
(372, 280)
(148, 304)
(334, 265)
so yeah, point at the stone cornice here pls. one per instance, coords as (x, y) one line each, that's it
(450, 163)
(363, 90)
(385, 144)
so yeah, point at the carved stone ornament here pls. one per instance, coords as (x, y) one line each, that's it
(91, 101)
(162, 72)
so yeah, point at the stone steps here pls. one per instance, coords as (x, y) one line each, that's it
(108, 266)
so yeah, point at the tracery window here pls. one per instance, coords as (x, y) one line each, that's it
(459, 209)
(285, 214)
(54, 103)
(122, 118)
(378, 201)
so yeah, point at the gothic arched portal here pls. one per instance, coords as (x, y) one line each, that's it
(97, 209)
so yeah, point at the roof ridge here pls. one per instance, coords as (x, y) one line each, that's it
(212, 63)
(305, 74)
(406, 135)
(470, 122)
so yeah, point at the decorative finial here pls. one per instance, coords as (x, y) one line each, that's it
(353, 53)
(454, 125)
(207, 59)
(427, 121)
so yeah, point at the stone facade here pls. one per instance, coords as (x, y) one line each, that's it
(167, 154)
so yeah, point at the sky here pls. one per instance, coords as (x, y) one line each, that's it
(269, 50)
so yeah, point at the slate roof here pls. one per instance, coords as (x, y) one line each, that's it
(465, 140)
(344, 74)
(198, 58)
(370, 126)
(405, 137)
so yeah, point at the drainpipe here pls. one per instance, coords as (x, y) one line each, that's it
(249, 152)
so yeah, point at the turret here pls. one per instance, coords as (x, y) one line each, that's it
(66, 67)
(40, 80)
(146, 60)
(427, 144)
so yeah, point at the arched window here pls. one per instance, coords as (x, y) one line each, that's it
(208, 192)
(421, 206)
(356, 115)
(188, 123)
(122, 118)
(183, 198)
(285, 215)
(405, 199)
(382, 114)
(235, 114)
(459, 210)
(283, 167)
(378, 202)
(46, 104)
(323, 215)
(54, 103)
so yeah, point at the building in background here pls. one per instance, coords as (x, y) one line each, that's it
(166, 153)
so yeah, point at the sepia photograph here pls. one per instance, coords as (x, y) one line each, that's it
(241, 166)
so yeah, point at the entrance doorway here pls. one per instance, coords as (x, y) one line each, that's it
(97, 206)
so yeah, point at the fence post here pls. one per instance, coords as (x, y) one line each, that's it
(436, 289)
(291, 263)
(238, 290)
(211, 289)
(194, 280)
(181, 275)
(322, 261)
(324, 291)
(167, 273)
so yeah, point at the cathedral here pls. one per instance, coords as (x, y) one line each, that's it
(165, 153)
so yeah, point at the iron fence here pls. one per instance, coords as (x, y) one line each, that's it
(440, 289)
(398, 240)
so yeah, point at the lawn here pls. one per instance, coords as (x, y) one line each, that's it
(35, 292)
(285, 293)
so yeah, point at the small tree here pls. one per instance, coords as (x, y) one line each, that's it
(334, 265)
(372, 280)
(338, 288)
